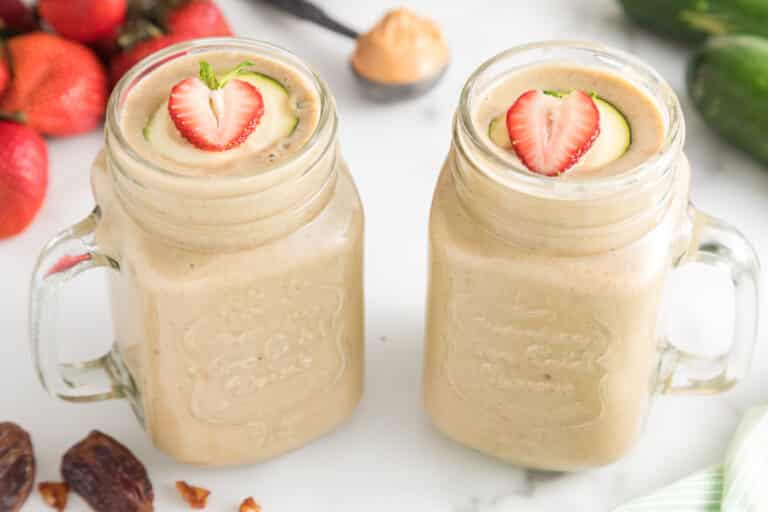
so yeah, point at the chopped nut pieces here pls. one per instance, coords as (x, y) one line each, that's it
(54, 494)
(107, 475)
(196, 497)
(17, 467)
(249, 505)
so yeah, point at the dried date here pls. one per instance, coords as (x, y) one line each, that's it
(54, 494)
(249, 505)
(17, 467)
(107, 475)
(196, 497)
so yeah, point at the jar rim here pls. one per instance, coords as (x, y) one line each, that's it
(515, 176)
(155, 60)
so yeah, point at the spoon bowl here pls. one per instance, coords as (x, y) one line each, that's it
(392, 93)
(376, 91)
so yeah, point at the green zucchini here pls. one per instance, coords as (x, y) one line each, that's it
(728, 82)
(695, 20)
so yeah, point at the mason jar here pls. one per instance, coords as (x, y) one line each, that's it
(237, 301)
(543, 343)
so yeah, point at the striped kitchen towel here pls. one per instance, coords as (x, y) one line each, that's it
(737, 485)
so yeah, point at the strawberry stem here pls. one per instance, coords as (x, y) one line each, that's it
(209, 78)
(16, 117)
(136, 30)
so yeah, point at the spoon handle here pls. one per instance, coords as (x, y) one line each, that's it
(311, 12)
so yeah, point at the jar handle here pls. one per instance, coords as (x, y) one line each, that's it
(68, 254)
(716, 244)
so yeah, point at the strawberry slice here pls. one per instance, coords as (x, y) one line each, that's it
(549, 133)
(216, 113)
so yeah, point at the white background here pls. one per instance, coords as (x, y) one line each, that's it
(388, 457)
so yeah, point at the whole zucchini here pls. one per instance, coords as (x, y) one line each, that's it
(694, 20)
(728, 82)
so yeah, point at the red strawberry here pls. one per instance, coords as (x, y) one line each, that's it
(59, 86)
(550, 134)
(126, 60)
(23, 176)
(5, 75)
(86, 21)
(66, 262)
(17, 16)
(107, 46)
(198, 18)
(214, 113)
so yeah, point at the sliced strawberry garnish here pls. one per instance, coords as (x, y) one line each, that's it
(550, 133)
(215, 114)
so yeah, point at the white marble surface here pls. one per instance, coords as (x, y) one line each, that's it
(388, 457)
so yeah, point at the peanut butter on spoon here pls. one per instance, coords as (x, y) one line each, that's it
(401, 48)
(401, 57)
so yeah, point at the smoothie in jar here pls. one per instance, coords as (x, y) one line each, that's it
(556, 220)
(238, 233)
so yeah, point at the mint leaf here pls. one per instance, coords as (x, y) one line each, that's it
(208, 76)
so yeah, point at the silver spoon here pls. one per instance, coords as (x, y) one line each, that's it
(377, 91)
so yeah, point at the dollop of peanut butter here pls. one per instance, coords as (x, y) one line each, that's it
(401, 48)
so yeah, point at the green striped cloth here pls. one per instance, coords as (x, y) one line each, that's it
(740, 484)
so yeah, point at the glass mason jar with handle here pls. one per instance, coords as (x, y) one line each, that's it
(542, 339)
(237, 299)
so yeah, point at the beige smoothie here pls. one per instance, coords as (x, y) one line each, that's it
(544, 295)
(238, 233)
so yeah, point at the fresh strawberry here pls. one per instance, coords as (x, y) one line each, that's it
(5, 75)
(124, 61)
(86, 21)
(550, 134)
(23, 176)
(107, 46)
(198, 18)
(59, 86)
(66, 262)
(216, 113)
(17, 16)
(179, 20)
